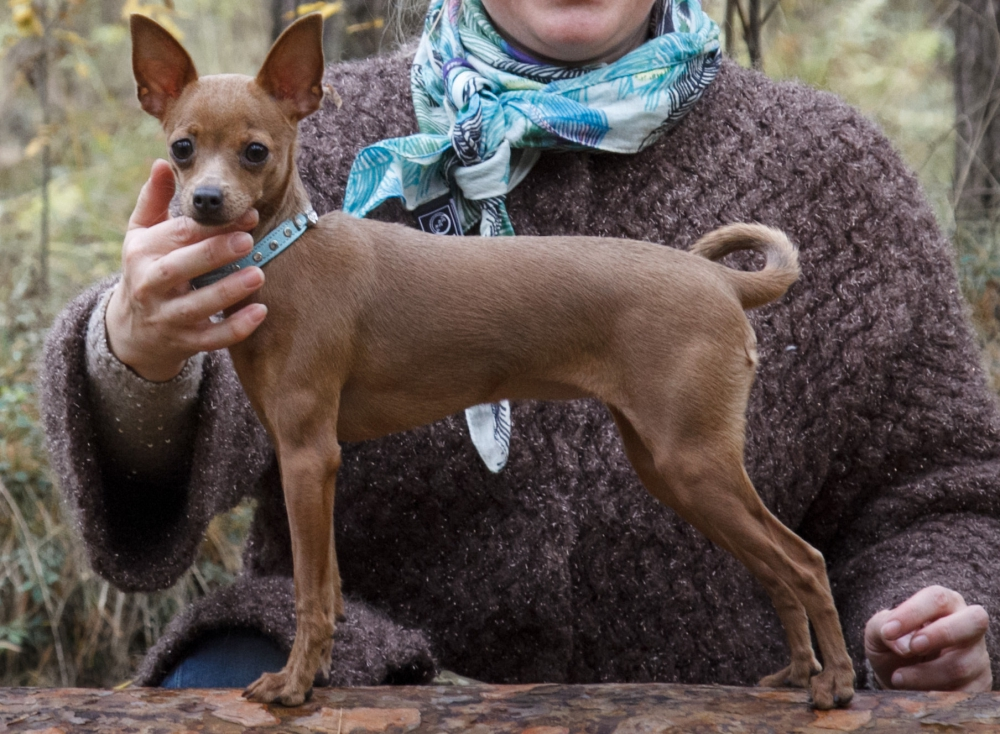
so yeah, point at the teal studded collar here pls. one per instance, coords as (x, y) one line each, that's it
(266, 249)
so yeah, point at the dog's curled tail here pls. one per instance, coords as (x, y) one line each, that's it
(763, 286)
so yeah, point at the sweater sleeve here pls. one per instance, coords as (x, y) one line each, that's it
(957, 551)
(142, 528)
(901, 432)
(146, 429)
(917, 474)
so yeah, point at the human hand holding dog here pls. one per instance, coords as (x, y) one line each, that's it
(932, 641)
(155, 321)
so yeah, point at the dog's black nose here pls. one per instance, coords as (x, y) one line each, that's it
(207, 200)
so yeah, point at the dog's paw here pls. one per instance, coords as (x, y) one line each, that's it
(833, 688)
(277, 688)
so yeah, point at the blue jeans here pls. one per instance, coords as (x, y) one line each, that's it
(232, 658)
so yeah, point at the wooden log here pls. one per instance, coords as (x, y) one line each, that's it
(485, 709)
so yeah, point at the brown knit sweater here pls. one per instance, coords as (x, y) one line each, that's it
(871, 431)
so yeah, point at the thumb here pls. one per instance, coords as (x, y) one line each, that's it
(875, 641)
(154, 198)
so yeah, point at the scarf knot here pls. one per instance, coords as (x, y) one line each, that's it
(474, 94)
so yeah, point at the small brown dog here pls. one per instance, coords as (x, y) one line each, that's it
(369, 331)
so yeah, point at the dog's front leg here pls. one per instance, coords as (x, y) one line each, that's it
(309, 456)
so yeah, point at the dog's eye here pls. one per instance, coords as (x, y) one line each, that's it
(182, 149)
(256, 153)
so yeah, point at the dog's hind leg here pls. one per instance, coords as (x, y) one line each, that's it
(772, 545)
(790, 611)
(707, 486)
(309, 456)
(727, 506)
(834, 686)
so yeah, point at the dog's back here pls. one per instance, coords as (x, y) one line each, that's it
(471, 321)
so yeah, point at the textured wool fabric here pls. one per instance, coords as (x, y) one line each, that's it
(871, 431)
(371, 648)
(158, 416)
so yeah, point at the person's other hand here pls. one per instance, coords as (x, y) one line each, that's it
(155, 320)
(933, 641)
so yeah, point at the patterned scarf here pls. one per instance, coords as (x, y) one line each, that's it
(486, 110)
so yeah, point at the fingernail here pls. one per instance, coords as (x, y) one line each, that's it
(891, 630)
(252, 278)
(241, 243)
(259, 312)
(897, 680)
(919, 644)
(903, 644)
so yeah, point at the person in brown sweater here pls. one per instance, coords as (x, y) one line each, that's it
(871, 431)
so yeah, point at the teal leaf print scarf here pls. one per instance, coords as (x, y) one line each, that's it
(486, 111)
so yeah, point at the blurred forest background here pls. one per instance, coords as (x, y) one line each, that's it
(75, 149)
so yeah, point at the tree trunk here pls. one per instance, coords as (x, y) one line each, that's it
(512, 709)
(753, 34)
(751, 23)
(48, 17)
(279, 8)
(977, 97)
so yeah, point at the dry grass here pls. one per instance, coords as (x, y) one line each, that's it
(59, 623)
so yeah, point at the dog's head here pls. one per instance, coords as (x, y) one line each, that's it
(231, 137)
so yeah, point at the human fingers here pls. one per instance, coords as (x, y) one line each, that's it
(176, 267)
(958, 669)
(233, 329)
(191, 309)
(927, 605)
(158, 262)
(875, 641)
(154, 197)
(180, 232)
(156, 336)
(963, 628)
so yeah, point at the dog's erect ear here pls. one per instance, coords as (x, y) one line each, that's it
(293, 70)
(161, 66)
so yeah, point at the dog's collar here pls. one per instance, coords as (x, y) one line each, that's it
(266, 248)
